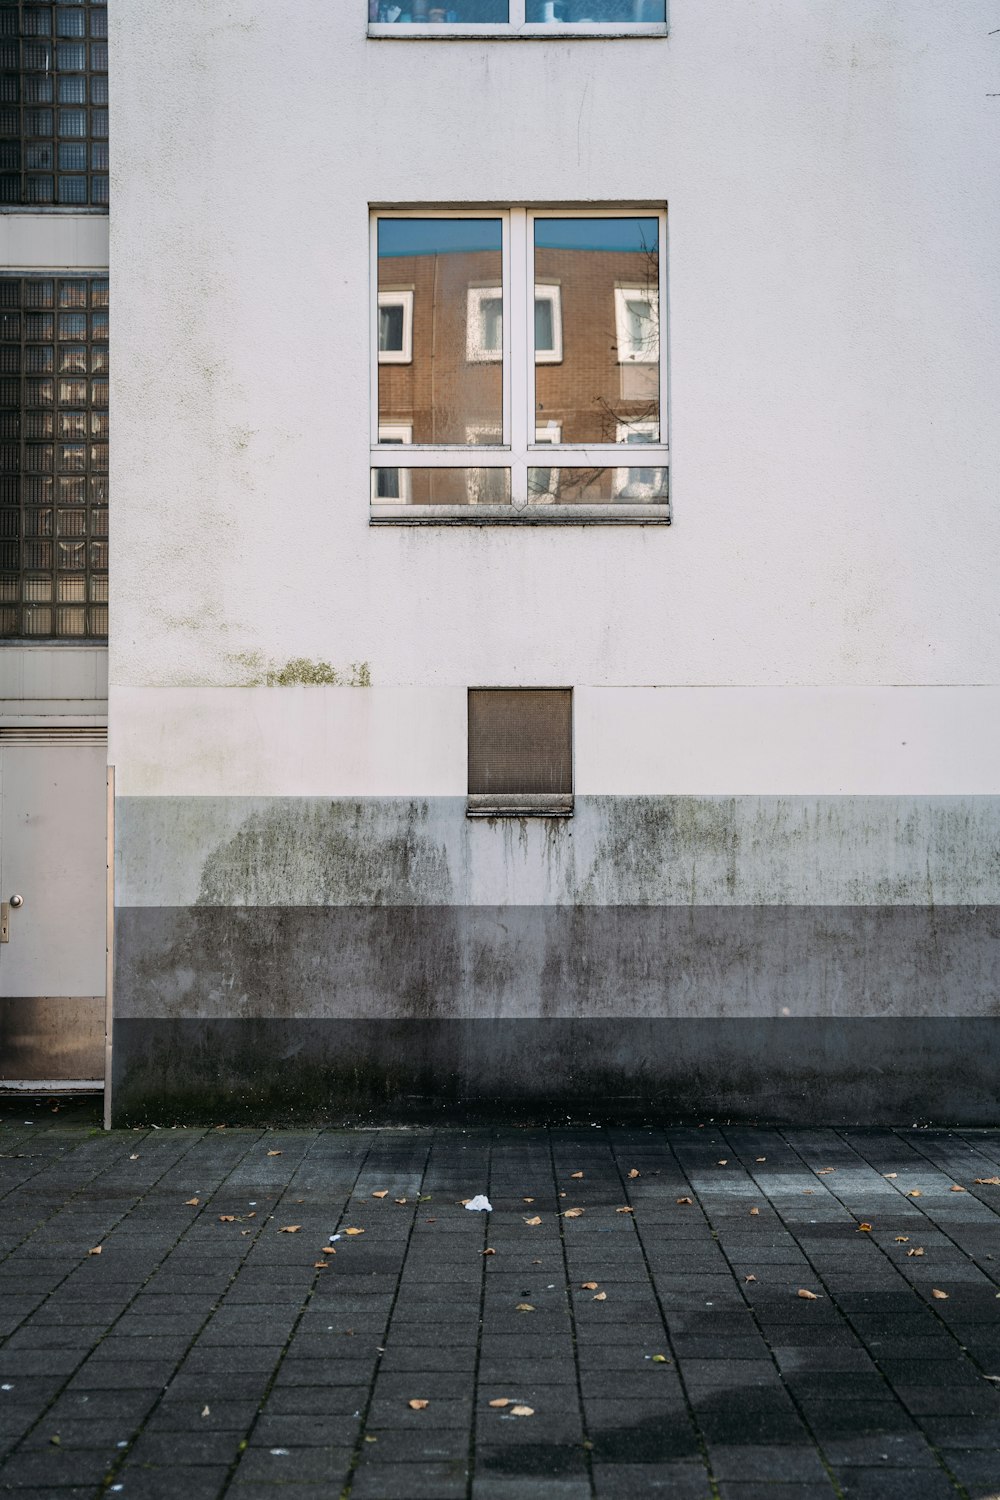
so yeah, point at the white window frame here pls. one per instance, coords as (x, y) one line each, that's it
(521, 444)
(477, 351)
(648, 438)
(402, 298)
(395, 433)
(511, 29)
(626, 352)
(550, 291)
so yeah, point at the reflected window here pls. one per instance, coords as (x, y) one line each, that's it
(395, 327)
(509, 17)
(484, 324)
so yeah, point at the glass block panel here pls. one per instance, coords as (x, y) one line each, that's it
(71, 590)
(9, 554)
(38, 325)
(99, 555)
(72, 392)
(99, 292)
(37, 523)
(10, 622)
(73, 122)
(38, 458)
(618, 486)
(39, 156)
(71, 523)
(99, 158)
(72, 189)
(437, 486)
(99, 325)
(99, 91)
(72, 489)
(71, 21)
(10, 523)
(38, 392)
(607, 380)
(99, 523)
(37, 490)
(37, 122)
(37, 555)
(99, 621)
(36, 57)
(435, 375)
(71, 621)
(72, 424)
(36, 20)
(72, 458)
(39, 360)
(72, 157)
(98, 21)
(99, 56)
(38, 424)
(37, 590)
(72, 325)
(10, 424)
(71, 57)
(99, 359)
(37, 90)
(100, 190)
(72, 90)
(99, 123)
(39, 291)
(99, 424)
(99, 589)
(38, 189)
(9, 590)
(73, 359)
(71, 555)
(37, 621)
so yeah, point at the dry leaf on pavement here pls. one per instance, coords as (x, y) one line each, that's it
(572, 1213)
(418, 1405)
(660, 1359)
(987, 1181)
(809, 1296)
(825, 1171)
(527, 1200)
(206, 1411)
(576, 1174)
(275, 1153)
(633, 1174)
(489, 1251)
(917, 1250)
(350, 1231)
(902, 1239)
(601, 1297)
(956, 1189)
(96, 1250)
(624, 1210)
(400, 1200)
(501, 1401)
(760, 1158)
(320, 1265)
(536, 1220)
(748, 1279)
(329, 1250)
(683, 1200)
(864, 1229)
(227, 1218)
(522, 1411)
(191, 1202)
(383, 1194)
(890, 1176)
(134, 1156)
(525, 1307)
(590, 1286)
(941, 1296)
(723, 1163)
(755, 1213)
(292, 1229)
(914, 1193)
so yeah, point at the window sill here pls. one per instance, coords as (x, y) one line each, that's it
(509, 515)
(520, 805)
(578, 32)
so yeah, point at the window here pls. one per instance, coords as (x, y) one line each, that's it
(54, 456)
(520, 331)
(395, 327)
(563, 18)
(520, 752)
(54, 103)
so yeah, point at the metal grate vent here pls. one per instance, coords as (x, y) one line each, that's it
(520, 742)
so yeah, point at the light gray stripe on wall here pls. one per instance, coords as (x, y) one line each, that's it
(615, 851)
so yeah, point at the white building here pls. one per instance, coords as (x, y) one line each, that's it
(393, 299)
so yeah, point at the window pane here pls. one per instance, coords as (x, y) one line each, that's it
(620, 12)
(608, 376)
(440, 486)
(426, 12)
(619, 486)
(520, 740)
(443, 379)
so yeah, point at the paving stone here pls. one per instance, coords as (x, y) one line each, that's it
(627, 1481)
(447, 1481)
(895, 1484)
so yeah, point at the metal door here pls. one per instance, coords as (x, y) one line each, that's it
(53, 883)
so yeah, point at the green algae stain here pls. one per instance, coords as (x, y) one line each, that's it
(254, 670)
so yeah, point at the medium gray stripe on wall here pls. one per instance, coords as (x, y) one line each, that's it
(430, 963)
(615, 851)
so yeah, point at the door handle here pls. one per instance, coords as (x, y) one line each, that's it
(5, 906)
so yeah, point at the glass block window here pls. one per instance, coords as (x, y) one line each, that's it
(54, 103)
(54, 457)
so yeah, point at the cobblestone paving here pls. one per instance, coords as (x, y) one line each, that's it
(212, 1348)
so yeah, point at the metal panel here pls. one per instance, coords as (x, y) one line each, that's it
(50, 1038)
(520, 741)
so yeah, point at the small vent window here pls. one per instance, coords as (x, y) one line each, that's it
(520, 752)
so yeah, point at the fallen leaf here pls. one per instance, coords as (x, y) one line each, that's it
(572, 1213)
(633, 1174)
(601, 1297)
(522, 1411)
(206, 1411)
(890, 1176)
(227, 1218)
(914, 1193)
(96, 1250)
(809, 1296)
(275, 1153)
(755, 1213)
(294, 1229)
(995, 1378)
(576, 1174)
(501, 1401)
(902, 1239)
(527, 1200)
(917, 1250)
(319, 1265)
(987, 1182)
(348, 1231)
(251, 1216)
(191, 1202)
(134, 1157)
(624, 1210)
(864, 1229)
(809, 1192)
(418, 1405)
(660, 1359)
(424, 1198)
(723, 1163)
(383, 1194)
(760, 1158)
(329, 1250)
(748, 1279)
(55, 1440)
(536, 1220)
(370, 1437)
(489, 1252)
(683, 1200)
(400, 1200)
(941, 1296)
(590, 1286)
(825, 1171)
(956, 1189)
(525, 1307)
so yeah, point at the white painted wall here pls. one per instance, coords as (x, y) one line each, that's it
(411, 741)
(833, 322)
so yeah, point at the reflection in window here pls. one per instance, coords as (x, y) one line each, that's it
(395, 327)
(594, 12)
(440, 486)
(392, 486)
(426, 12)
(444, 262)
(591, 486)
(548, 325)
(606, 376)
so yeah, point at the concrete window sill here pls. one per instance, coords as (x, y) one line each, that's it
(508, 515)
(520, 805)
(455, 32)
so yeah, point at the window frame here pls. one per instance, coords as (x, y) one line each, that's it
(623, 295)
(516, 28)
(401, 297)
(521, 447)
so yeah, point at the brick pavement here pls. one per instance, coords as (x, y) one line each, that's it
(206, 1352)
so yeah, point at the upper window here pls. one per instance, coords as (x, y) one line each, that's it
(516, 17)
(523, 330)
(54, 103)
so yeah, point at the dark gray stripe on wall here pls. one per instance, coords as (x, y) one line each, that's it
(830, 1071)
(444, 963)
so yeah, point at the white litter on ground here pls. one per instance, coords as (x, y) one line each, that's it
(480, 1204)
